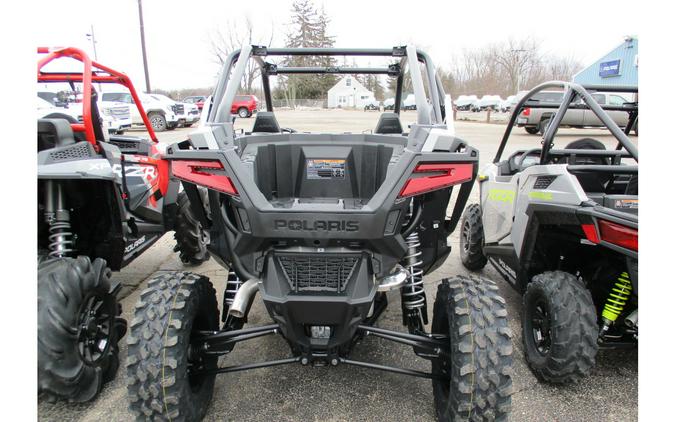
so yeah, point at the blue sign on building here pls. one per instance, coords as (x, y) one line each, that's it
(618, 67)
(610, 68)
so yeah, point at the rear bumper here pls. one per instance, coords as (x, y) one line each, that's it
(298, 300)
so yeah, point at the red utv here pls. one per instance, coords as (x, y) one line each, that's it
(102, 201)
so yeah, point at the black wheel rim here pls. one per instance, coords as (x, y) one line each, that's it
(466, 236)
(541, 327)
(95, 327)
(198, 362)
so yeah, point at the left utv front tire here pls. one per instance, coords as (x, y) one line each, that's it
(470, 311)
(161, 380)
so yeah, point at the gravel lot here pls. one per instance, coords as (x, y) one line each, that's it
(296, 393)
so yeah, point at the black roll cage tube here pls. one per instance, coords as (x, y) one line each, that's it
(572, 91)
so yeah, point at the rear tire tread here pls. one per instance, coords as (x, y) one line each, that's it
(575, 343)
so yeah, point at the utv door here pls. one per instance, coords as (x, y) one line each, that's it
(498, 197)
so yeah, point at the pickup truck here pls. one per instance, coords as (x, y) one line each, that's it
(187, 113)
(162, 116)
(535, 120)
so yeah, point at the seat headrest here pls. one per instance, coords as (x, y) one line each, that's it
(266, 122)
(389, 123)
(54, 132)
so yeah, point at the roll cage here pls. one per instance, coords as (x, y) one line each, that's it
(432, 112)
(572, 93)
(92, 72)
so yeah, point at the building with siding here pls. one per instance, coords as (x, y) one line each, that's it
(619, 67)
(348, 93)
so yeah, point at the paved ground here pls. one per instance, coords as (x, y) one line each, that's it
(296, 393)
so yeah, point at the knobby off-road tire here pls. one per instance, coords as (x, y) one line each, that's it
(471, 313)
(572, 322)
(191, 238)
(66, 286)
(471, 239)
(168, 313)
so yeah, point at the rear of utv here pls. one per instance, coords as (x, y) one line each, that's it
(561, 225)
(322, 226)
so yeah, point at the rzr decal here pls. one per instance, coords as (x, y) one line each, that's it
(147, 172)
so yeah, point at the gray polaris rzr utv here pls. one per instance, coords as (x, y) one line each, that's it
(561, 225)
(102, 201)
(323, 226)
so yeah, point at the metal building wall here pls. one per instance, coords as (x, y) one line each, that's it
(627, 53)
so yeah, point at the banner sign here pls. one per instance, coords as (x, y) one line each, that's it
(610, 68)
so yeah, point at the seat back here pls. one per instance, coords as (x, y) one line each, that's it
(389, 123)
(54, 132)
(266, 122)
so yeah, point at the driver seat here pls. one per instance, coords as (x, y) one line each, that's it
(266, 122)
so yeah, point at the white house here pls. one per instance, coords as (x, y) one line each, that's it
(349, 92)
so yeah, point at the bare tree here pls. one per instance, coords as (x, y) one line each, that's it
(508, 67)
(223, 42)
(517, 58)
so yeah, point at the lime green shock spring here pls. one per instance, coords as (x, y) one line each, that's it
(617, 298)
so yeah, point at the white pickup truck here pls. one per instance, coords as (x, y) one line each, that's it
(162, 116)
(115, 116)
(187, 113)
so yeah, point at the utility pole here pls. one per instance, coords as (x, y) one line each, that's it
(145, 57)
(91, 37)
(519, 69)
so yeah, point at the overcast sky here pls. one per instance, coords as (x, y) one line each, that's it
(177, 32)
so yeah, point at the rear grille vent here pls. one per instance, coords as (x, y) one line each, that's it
(71, 153)
(326, 274)
(543, 182)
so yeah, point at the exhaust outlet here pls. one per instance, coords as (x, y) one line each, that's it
(243, 298)
(394, 280)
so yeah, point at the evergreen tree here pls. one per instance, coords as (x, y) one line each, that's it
(309, 28)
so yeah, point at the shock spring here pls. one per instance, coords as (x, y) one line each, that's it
(58, 217)
(617, 298)
(60, 239)
(413, 295)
